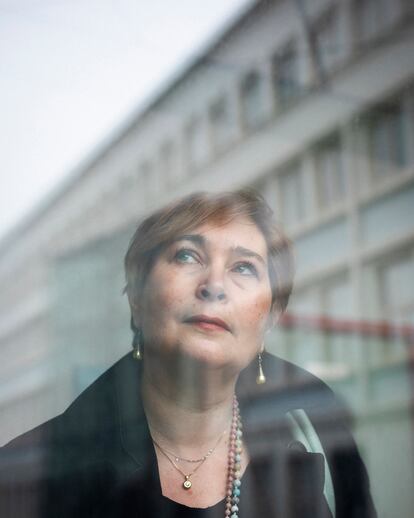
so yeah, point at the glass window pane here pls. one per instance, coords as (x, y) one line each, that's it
(197, 142)
(387, 134)
(338, 298)
(330, 172)
(373, 17)
(252, 97)
(305, 303)
(286, 75)
(366, 18)
(292, 192)
(222, 123)
(398, 282)
(329, 42)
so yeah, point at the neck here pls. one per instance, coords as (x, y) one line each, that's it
(187, 405)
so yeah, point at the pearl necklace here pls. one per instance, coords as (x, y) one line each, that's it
(234, 464)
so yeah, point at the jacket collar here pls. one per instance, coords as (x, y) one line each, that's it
(264, 415)
(133, 427)
(265, 431)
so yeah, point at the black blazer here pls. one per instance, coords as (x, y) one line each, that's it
(97, 458)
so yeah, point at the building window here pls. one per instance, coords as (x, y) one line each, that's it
(373, 17)
(330, 173)
(396, 282)
(286, 76)
(329, 42)
(222, 122)
(407, 7)
(197, 143)
(266, 186)
(305, 303)
(253, 100)
(387, 140)
(337, 298)
(292, 192)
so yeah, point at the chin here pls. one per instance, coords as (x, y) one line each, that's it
(211, 355)
(206, 352)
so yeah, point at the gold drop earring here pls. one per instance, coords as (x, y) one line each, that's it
(136, 340)
(136, 345)
(261, 378)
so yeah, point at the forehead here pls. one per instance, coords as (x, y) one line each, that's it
(237, 232)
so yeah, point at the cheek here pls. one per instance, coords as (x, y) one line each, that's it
(156, 323)
(163, 301)
(255, 315)
(159, 303)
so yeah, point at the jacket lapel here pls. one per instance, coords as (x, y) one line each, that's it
(283, 479)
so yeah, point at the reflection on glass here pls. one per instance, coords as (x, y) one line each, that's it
(335, 160)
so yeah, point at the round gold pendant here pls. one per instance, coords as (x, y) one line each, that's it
(187, 483)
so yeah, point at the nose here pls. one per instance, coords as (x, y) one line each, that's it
(209, 292)
(211, 289)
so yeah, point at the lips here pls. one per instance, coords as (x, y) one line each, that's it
(208, 322)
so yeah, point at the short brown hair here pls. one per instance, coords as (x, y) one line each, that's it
(159, 229)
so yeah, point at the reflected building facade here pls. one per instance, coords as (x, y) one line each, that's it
(311, 103)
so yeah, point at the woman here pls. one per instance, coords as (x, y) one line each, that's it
(161, 433)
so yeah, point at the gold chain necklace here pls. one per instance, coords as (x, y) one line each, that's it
(187, 482)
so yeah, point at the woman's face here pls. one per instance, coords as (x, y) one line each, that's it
(208, 296)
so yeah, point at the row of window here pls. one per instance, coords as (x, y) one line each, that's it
(384, 140)
(387, 286)
(333, 354)
(396, 278)
(208, 134)
(373, 18)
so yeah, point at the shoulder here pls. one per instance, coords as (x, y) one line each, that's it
(73, 453)
(322, 418)
(289, 385)
(93, 409)
(290, 388)
(96, 408)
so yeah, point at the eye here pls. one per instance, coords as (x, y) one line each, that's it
(186, 255)
(246, 268)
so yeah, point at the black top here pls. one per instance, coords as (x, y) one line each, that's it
(97, 458)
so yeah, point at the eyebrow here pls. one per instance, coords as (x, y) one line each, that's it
(238, 250)
(194, 238)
